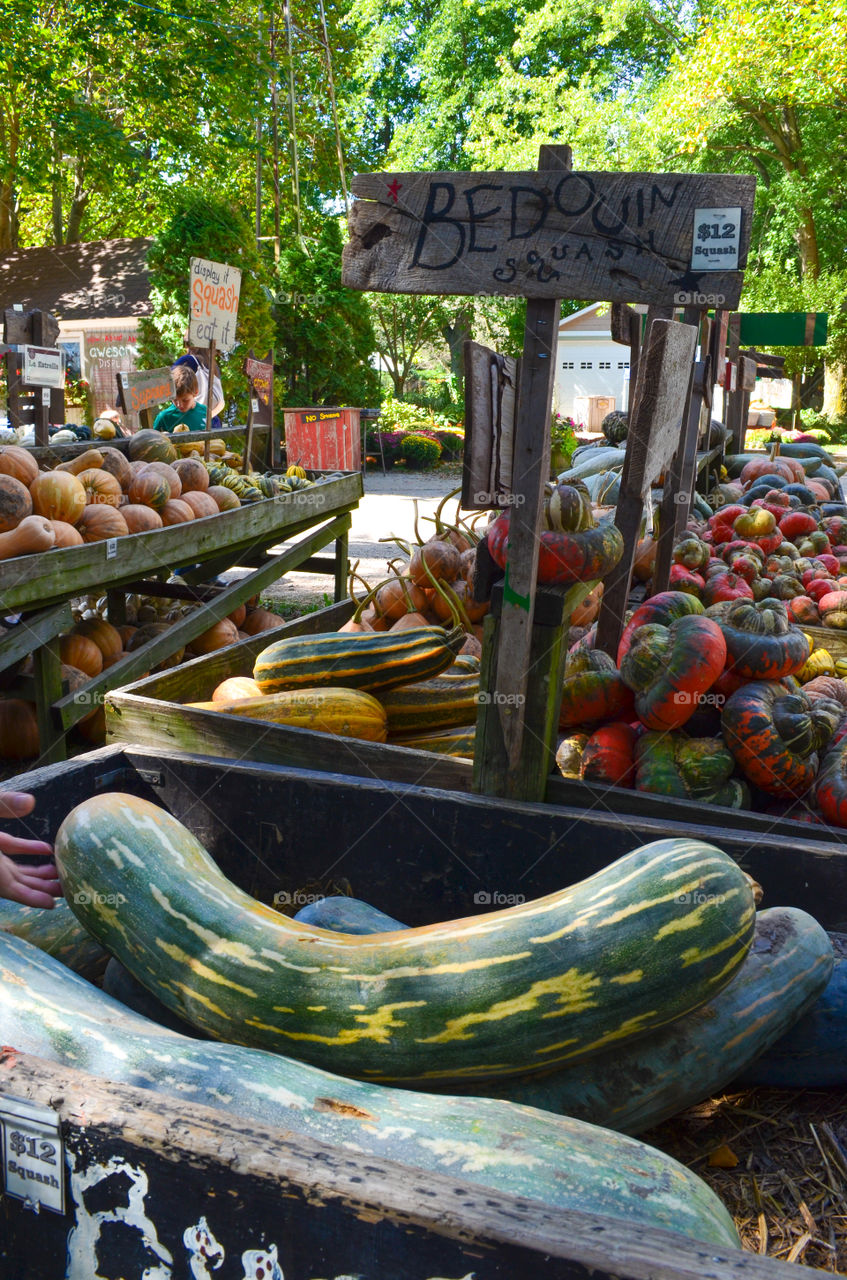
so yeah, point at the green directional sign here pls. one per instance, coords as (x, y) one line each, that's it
(782, 328)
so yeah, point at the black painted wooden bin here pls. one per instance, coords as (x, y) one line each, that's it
(160, 1170)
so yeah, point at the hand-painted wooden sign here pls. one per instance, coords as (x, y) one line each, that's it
(144, 389)
(261, 374)
(214, 290)
(546, 234)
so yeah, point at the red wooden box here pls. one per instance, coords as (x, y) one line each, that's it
(323, 439)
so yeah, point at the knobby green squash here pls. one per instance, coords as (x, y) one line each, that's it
(48, 1011)
(503, 993)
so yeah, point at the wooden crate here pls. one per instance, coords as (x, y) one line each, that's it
(150, 1166)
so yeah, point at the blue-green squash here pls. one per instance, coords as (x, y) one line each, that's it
(813, 1053)
(57, 931)
(565, 1164)
(499, 994)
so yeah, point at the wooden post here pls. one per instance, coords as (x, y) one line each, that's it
(531, 467)
(45, 332)
(732, 399)
(626, 329)
(655, 430)
(248, 436)
(210, 392)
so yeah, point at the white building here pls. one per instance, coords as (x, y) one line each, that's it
(592, 375)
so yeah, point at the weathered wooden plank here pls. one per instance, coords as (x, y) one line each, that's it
(47, 677)
(35, 629)
(678, 488)
(627, 237)
(530, 471)
(491, 386)
(130, 718)
(74, 707)
(47, 579)
(304, 1206)
(655, 429)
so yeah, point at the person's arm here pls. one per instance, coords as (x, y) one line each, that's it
(31, 886)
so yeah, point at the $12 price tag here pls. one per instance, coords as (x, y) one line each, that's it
(716, 241)
(33, 1154)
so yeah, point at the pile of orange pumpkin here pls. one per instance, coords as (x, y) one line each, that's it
(100, 494)
(93, 645)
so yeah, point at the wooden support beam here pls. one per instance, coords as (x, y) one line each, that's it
(655, 429)
(33, 630)
(531, 467)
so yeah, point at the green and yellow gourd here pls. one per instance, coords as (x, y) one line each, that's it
(357, 660)
(444, 702)
(57, 931)
(565, 1164)
(458, 741)
(504, 993)
(347, 713)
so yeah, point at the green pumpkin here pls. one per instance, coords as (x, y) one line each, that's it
(567, 507)
(615, 426)
(670, 764)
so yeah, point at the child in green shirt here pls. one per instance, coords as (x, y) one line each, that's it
(186, 410)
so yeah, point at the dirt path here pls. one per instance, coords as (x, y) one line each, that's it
(386, 509)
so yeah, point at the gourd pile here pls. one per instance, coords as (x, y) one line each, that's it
(717, 694)
(103, 493)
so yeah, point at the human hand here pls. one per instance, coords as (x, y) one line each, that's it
(32, 886)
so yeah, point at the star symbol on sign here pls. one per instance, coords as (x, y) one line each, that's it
(393, 188)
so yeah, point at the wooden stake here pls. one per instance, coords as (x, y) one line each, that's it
(530, 472)
(210, 391)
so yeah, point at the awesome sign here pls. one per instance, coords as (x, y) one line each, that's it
(623, 237)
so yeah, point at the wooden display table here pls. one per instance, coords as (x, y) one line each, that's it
(40, 587)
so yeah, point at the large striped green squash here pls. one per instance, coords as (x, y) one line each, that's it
(57, 931)
(567, 1165)
(369, 660)
(635, 946)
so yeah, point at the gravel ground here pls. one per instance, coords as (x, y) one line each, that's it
(386, 509)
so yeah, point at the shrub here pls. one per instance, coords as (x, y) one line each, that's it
(392, 444)
(452, 441)
(420, 452)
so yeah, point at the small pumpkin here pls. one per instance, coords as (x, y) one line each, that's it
(101, 521)
(259, 620)
(151, 446)
(609, 756)
(18, 729)
(66, 534)
(81, 652)
(15, 503)
(18, 463)
(170, 474)
(670, 668)
(193, 476)
(58, 495)
(175, 511)
(105, 636)
(216, 637)
(141, 519)
(101, 487)
(226, 500)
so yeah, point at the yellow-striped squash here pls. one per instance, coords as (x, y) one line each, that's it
(635, 946)
(369, 660)
(348, 713)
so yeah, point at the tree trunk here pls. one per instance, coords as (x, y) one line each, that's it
(455, 335)
(835, 390)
